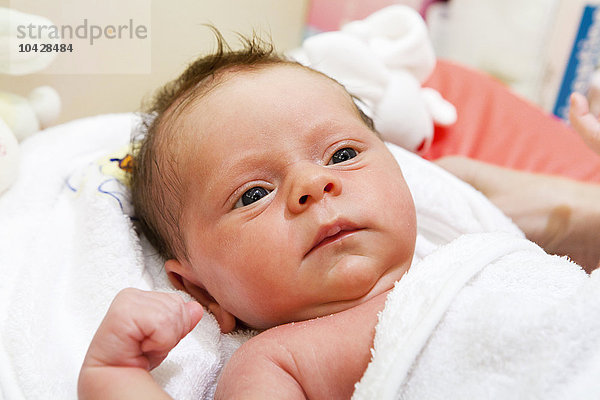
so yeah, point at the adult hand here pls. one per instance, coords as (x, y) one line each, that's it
(586, 124)
(559, 214)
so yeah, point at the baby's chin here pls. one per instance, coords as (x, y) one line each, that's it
(363, 279)
(382, 287)
(357, 283)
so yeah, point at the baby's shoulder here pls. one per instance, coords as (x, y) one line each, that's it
(325, 356)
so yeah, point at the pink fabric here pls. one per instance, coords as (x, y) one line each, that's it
(330, 15)
(498, 127)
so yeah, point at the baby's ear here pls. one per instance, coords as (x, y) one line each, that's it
(177, 273)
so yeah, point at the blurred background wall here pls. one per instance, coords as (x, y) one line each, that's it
(177, 37)
(525, 44)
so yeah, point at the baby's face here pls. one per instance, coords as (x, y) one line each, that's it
(294, 209)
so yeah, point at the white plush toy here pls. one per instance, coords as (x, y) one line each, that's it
(383, 60)
(19, 116)
(9, 156)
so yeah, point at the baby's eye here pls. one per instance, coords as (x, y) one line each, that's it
(342, 155)
(251, 195)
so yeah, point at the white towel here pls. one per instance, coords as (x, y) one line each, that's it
(383, 60)
(492, 316)
(446, 206)
(67, 246)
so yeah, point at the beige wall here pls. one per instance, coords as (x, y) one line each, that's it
(177, 37)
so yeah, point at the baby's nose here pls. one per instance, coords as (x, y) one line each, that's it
(328, 188)
(311, 185)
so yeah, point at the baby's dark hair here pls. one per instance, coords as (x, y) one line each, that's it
(156, 186)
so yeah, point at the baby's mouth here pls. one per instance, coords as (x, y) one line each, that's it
(331, 233)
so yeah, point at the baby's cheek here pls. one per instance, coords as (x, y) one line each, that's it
(265, 242)
(400, 209)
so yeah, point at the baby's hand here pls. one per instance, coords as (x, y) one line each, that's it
(586, 124)
(140, 328)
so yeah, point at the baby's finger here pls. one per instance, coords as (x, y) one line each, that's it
(172, 324)
(196, 312)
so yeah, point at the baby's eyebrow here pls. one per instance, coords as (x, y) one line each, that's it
(230, 173)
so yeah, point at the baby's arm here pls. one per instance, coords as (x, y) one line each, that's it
(137, 333)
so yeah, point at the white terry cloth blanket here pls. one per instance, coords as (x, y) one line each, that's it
(68, 245)
(488, 316)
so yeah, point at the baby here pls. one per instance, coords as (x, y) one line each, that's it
(270, 195)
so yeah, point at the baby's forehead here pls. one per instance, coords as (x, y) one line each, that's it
(242, 89)
(249, 88)
(226, 86)
(294, 74)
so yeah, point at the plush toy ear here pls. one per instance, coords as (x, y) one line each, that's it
(442, 111)
(177, 276)
(402, 116)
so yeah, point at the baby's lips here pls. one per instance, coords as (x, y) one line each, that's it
(331, 232)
